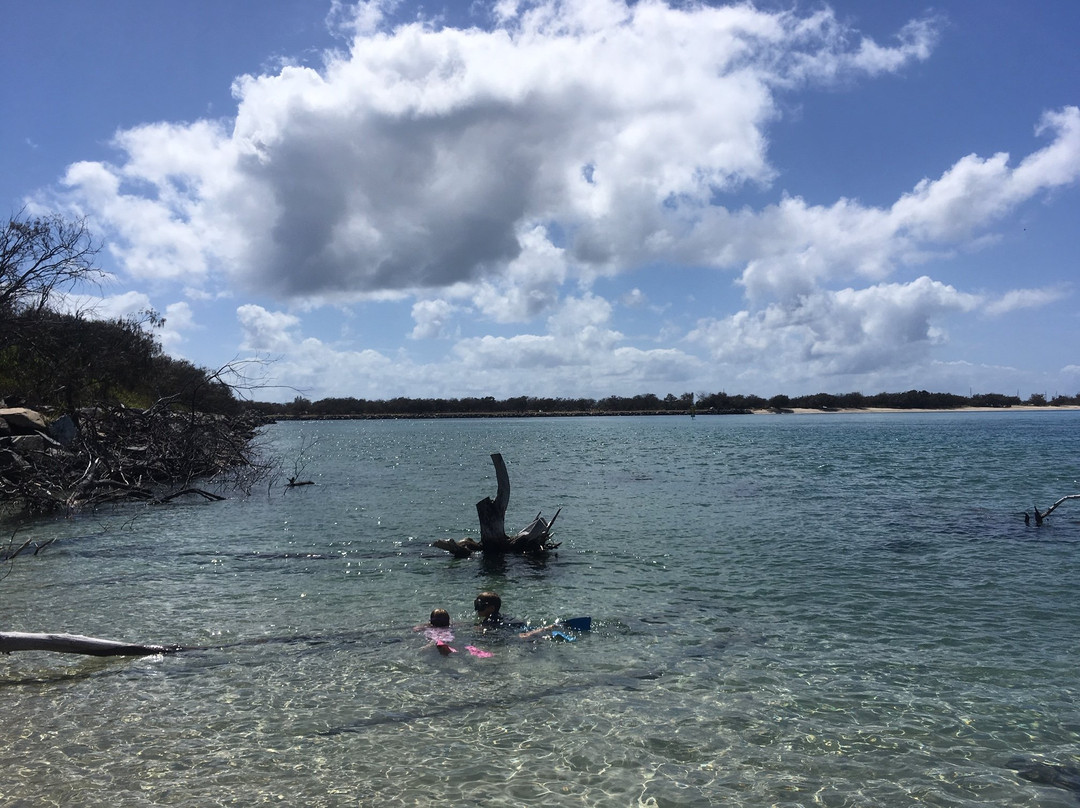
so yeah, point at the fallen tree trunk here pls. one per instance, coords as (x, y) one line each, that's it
(534, 538)
(78, 644)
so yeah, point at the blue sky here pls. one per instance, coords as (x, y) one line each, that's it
(569, 198)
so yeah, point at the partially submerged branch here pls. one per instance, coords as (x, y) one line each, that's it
(300, 463)
(11, 550)
(1040, 516)
(207, 495)
(462, 548)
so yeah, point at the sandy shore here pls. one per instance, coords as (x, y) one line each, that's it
(1014, 408)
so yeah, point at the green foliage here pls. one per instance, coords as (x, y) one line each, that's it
(70, 361)
(65, 361)
(993, 400)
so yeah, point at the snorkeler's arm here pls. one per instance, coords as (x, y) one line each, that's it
(536, 631)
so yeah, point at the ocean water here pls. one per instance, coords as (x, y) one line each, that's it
(800, 610)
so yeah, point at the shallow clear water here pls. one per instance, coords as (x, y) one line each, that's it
(838, 610)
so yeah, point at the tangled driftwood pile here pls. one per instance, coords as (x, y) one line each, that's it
(99, 455)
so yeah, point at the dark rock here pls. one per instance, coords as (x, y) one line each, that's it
(1047, 774)
(63, 430)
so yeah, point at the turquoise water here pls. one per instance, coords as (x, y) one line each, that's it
(837, 610)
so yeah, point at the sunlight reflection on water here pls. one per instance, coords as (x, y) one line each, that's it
(840, 610)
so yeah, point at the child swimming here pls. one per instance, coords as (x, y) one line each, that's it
(439, 632)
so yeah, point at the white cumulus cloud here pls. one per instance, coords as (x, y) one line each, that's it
(830, 334)
(427, 156)
(504, 174)
(431, 317)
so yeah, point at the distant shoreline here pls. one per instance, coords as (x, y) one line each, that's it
(1013, 408)
(666, 413)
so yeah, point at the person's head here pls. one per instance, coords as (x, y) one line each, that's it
(440, 618)
(487, 604)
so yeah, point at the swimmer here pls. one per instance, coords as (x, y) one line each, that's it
(438, 631)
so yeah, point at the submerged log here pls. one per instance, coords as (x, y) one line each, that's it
(78, 644)
(197, 491)
(533, 538)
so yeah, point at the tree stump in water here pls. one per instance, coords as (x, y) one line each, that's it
(533, 538)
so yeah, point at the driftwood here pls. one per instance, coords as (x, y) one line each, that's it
(533, 538)
(10, 550)
(462, 548)
(197, 491)
(77, 644)
(115, 454)
(1040, 516)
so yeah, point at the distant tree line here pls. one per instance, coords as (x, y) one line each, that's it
(61, 360)
(647, 403)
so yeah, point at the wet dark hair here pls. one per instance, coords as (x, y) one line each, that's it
(440, 618)
(486, 600)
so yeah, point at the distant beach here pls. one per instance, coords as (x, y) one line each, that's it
(1019, 408)
(812, 411)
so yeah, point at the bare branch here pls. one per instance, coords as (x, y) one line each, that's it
(40, 256)
(1040, 516)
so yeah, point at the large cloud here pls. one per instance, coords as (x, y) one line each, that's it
(843, 333)
(497, 174)
(423, 157)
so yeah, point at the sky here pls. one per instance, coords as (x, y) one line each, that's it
(567, 199)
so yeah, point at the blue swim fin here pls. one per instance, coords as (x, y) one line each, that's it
(578, 623)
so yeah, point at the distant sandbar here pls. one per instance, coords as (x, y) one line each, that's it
(829, 410)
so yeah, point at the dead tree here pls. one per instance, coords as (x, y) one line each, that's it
(1040, 516)
(78, 644)
(533, 538)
